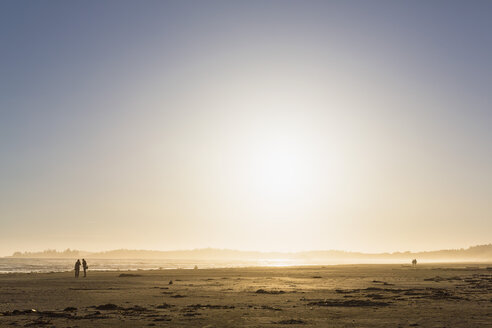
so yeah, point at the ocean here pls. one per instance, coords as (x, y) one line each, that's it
(27, 265)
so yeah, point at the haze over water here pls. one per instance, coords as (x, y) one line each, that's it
(256, 125)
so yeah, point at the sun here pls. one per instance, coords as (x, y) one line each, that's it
(279, 169)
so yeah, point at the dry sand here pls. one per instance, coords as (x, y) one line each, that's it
(331, 296)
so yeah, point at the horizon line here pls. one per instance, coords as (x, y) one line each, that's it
(246, 251)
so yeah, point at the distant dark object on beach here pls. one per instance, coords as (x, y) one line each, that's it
(123, 275)
(439, 278)
(136, 308)
(290, 322)
(382, 282)
(271, 308)
(70, 309)
(349, 303)
(263, 291)
(170, 282)
(18, 312)
(108, 306)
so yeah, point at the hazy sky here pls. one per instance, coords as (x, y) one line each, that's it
(255, 125)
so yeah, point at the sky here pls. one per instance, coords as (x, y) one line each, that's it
(250, 125)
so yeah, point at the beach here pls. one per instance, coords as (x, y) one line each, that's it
(430, 295)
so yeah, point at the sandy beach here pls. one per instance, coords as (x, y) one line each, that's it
(330, 296)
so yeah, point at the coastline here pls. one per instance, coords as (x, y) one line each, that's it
(9, 265)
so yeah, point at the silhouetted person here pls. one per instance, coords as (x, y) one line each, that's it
(85, 267)
(414, 263)
(77, 268)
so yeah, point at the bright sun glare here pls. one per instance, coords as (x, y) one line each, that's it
(280, 169)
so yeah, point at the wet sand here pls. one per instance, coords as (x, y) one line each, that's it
(436, 295)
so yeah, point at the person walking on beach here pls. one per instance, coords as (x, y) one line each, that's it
(85, 267)
(77, 268)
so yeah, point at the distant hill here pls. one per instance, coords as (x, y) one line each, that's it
(49, 253)
(474, 253)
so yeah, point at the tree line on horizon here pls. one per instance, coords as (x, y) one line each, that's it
(480, 252)
(48, 253)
